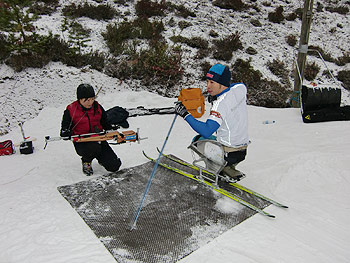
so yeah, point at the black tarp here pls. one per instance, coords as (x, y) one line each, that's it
(179, 215)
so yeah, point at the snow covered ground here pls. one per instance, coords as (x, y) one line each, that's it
(305, 166)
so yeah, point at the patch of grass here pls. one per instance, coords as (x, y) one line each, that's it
(157, 67)
(255, 22)
(251, 51)
(291, 40)
(343, 60)
(276, 16)
(54, 49)
(180, 10)
(224, 48)
(311, 71)
(4, 51)
(236, 5)
(326, 56)
(344, 77)
(342, 10)
(146, 8)
(278, 68)
(261, 92)
(44, 7)
(117, 36)
(195, 42)
(99, 12)
(183, 24)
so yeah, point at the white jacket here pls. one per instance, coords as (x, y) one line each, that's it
(230, 112)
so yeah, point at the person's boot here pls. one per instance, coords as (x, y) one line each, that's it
(232, 173)
(87, 168)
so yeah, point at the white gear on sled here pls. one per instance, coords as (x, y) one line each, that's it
(208, 155)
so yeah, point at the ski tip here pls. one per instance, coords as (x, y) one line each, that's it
(284, 206)
(272, 216)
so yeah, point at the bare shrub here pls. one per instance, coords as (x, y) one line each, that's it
(311, 71)
(291, 40)
(277, 16)
(261, 92)
(223, 48)
(344, 77)
(100, 12)
(236, 5)
(148, 8)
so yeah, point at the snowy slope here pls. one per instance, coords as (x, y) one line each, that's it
(24, 94)
(302, 165)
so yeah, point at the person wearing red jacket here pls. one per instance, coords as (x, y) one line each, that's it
(86, 115)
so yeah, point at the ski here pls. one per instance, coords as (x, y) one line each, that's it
(141, 111)
(212, 186)
(234, 184)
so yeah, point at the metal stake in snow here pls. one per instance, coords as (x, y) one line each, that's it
(151, 177)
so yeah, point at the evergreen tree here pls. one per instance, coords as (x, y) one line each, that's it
(17, 22)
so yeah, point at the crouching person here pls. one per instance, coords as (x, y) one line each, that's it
(86, 115)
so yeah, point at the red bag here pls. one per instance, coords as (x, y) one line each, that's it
(6, 148)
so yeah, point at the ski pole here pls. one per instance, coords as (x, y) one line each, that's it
(133, 226)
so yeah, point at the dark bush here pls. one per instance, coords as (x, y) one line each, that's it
(277, 16)
(117, 36)
(180, 10)
(344, 77)
(278, 68)
(100, 12)
(261, 92)
(148, 8)
(195, 42)
(291, 40)
(299, 12)
(255, 22)
(205, 66)
(4, 51)
(343, 10)
(183, 24)
(326, 56)
(236, 5)
(44, 7)
(319, 7)
(343, 60)
(213, 33)
(251, 51)
(147, 29)
(223, 48)
(54, 49)
(22, 61)
(156, 66)
(291, 16)
(311, 71)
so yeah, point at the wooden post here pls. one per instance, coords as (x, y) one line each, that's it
(302, 52)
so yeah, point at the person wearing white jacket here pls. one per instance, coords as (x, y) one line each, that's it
(228, 117)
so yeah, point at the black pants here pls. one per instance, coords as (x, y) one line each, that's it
(233, 158)
(101, 151)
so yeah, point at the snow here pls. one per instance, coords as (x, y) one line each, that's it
(304, 166)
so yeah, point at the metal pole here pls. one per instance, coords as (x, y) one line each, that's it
(133, 226)
(302, 52)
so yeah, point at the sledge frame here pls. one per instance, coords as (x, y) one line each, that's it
(210, 165)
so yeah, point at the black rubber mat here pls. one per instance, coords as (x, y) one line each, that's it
(178, 216)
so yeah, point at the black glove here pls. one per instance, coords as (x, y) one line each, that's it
(180, 109)
(66, 134)
(211, 98)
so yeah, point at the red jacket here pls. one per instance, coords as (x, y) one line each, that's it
(85, 120)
